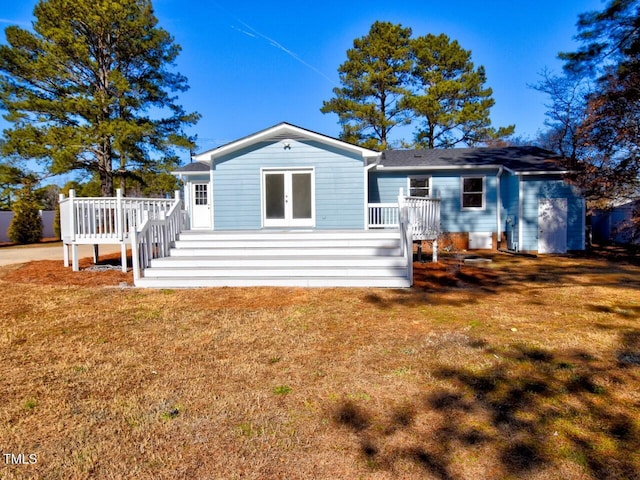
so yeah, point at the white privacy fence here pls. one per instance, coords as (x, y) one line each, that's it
(47, 217)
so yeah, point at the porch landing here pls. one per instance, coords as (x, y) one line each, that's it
(340, 258)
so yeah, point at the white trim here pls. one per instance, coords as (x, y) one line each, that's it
(366, 170)
(209, 205)
(212, 215)
(484, 193)
(559, 172)
(276, 133)
(520, 211)
(499, 208)
(288, 221)
(439, 167)
(419, 177)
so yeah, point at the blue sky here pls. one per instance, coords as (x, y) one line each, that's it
(251, 65)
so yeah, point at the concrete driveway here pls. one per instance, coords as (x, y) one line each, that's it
(53, 251)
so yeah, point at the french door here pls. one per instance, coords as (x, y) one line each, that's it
(288, 198)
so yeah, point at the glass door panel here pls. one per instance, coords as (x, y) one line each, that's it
(274, 196)
(301, 195)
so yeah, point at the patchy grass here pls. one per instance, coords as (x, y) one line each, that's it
(529, 368)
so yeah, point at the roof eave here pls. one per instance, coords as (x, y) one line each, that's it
(542, 172)
(280, 130)
(437, 167)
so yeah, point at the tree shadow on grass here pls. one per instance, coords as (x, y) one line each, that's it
(531, 411)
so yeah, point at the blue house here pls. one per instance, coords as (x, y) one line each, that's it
(290, 207)
(287, 177)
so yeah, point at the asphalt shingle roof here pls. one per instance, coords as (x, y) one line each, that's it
(519, 159)
(194, 167)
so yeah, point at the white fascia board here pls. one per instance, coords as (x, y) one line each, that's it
(203, 172)
(441, 167)
(279, 131)
(560, 172)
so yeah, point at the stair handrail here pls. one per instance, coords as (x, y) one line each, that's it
(154, 237)
(406, 235)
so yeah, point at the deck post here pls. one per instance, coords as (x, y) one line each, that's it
(434, 254)
(96, 253)
(65, 248)
(123, 256)
(72, 214)
(65, 254)
(135, 255)
(75, 264)
(120, 227)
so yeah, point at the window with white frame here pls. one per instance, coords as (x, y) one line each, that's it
(473, 192)
(419, 186)
(201, 196)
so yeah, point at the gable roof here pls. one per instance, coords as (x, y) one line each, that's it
(281, 132)
(520, 160)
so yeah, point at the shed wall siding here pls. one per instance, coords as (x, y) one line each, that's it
(339, 184)
(536, 188)
(384, 187)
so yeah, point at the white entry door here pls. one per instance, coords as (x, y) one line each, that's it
(552, 225)
(288, 198)
(200, 206)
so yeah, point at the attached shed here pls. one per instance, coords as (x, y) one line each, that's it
(513, 197)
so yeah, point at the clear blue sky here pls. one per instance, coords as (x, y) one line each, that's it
(253, 64)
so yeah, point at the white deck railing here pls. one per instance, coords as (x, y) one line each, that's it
(106, 219)
(422, 213)
(153, 238)
(113, 220)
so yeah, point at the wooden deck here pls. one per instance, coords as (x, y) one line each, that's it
(166, 256)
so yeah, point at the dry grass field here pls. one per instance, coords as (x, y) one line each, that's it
(527, 369)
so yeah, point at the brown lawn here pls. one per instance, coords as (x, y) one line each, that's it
(529, 368)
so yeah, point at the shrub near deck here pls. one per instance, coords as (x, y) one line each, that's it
(526, 369)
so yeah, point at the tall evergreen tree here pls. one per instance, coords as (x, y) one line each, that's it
(610, 52)
(450, 101)
(375, 79)
(390, 79)
(91, 89)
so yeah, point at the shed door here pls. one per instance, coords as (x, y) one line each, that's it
(288, 198)
(552, 225)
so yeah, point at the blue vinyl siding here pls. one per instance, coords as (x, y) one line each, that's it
(384, 187)
(509, 186)
(339, 184)
(535, 188)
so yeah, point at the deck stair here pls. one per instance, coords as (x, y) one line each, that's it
(293, 259)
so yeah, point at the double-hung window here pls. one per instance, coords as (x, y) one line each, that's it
(473, 193)
(420, 186)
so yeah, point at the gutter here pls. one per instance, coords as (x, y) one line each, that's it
(438, 167)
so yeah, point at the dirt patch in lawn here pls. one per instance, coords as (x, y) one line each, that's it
(53, 272)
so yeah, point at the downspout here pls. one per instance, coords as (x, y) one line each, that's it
(520, 211)
(499, 208)
(210, 190)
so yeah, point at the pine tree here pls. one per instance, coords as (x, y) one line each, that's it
(79, 88)
(390, 79)
(26, 225)
(375, 79)
(450, 101)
